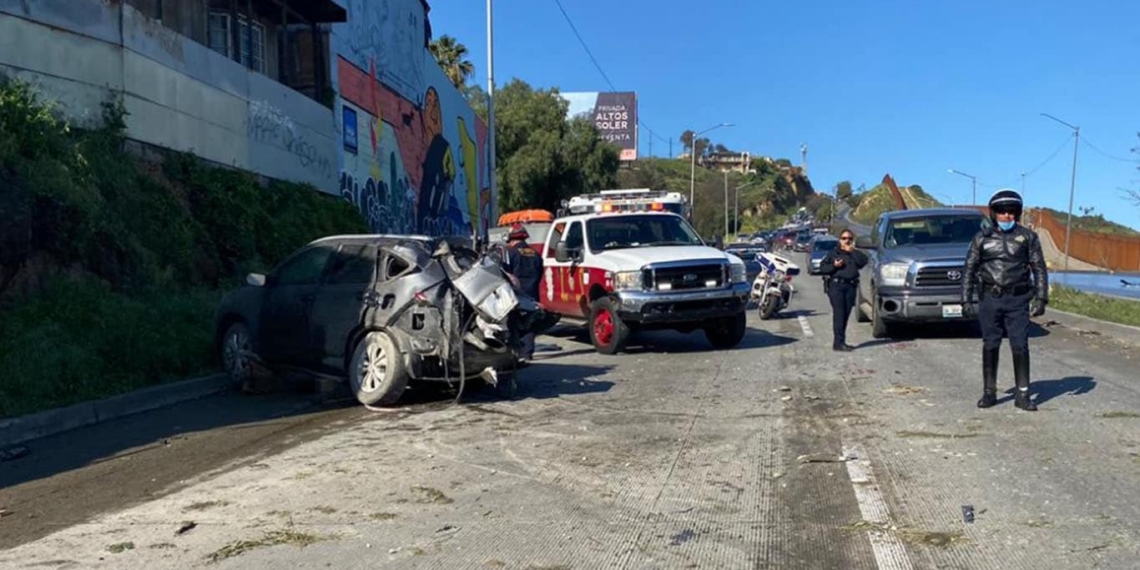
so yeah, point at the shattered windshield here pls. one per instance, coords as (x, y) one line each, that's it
(628, 231)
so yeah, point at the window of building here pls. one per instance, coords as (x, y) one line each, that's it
(220, 38)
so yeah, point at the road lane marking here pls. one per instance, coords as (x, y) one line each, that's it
(890, 554)
(804, 324)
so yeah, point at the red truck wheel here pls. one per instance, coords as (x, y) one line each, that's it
(607, 331)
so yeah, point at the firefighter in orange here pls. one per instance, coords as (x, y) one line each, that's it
(525, 265)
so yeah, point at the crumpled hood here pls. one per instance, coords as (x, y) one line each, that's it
(633, 258)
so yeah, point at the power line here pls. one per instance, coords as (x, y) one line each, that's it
(1105, 154)
(1052, 155)
(598, 66)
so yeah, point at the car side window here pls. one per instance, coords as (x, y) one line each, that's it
(394, 266)
(354, 264)
(556, 236)
(305, 268)
(574, 239)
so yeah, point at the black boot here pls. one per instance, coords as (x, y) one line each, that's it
(1021, 377)
(989, 377)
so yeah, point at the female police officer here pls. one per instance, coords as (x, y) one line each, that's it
(841, 267)
(1007, 266)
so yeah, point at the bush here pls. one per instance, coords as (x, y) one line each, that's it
(128, 261)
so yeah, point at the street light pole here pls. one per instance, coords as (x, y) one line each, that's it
(490, 108)
(974, 185)
(736, 204)
(693, 168)
(1072, 182)
(726, 204)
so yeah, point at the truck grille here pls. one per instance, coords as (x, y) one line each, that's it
(939, 276)
(686, 277)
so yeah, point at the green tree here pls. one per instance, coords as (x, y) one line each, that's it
(477, 98)
(843, 190)
(542, 157)
(452, 57)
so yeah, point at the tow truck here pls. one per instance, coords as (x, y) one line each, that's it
(622, 261)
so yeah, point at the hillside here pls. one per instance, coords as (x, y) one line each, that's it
(869, 205)
(1095, 223)
(768, 196)
(111, 268)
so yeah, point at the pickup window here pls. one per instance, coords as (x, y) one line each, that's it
(627, 231)
(932, 230)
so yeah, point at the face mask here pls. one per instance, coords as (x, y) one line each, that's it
(1006, 226)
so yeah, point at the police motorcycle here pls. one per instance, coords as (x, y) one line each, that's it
(772, 288)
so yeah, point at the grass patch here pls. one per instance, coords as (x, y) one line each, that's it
(431, 495)
(111, 268)
(275, 538)
(121, 547)
(1112, 309)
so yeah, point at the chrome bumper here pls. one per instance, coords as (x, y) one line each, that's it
(658, 307)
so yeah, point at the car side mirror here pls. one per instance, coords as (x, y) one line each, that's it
(864, 242)
(561, 252)
(255, 280)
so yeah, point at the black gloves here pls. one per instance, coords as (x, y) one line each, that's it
(1037, 307)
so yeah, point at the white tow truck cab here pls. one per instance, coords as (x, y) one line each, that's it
(626, 260)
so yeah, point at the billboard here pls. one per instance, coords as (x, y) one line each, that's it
(614, 114)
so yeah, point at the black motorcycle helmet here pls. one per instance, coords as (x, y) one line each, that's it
(1006, 200)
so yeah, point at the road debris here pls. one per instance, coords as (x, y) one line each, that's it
(4, 513)
(274, 538)
(121, 547)
(904, 390)
(13, 453)
(968, 513)
(447, 528)
(820, 458)
(682, 537)
(186, 527)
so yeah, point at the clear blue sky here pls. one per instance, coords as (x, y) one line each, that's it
(883, 86)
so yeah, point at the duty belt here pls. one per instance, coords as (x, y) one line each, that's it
(843, 280)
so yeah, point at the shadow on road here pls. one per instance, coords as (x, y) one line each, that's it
(904, 333)
(1044, 390)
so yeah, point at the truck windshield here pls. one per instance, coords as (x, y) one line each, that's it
(932, 230)
(626, 230)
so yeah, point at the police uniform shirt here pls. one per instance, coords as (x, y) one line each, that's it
(852, 261)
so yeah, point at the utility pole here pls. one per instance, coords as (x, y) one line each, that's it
(490, 111)
(1072, 182)
(670, 148)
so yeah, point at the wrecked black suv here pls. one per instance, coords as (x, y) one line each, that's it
(379, 310)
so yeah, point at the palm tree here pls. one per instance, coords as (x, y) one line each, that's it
(451, 55)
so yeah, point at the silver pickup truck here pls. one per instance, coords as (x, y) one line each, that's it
(915, 272)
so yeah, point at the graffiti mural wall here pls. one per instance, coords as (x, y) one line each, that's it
(413, 153)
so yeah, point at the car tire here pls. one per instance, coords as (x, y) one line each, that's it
(879, 328)
(608, 333)
(236, 352)
(860, 316)
(377, 375)
(727, 332)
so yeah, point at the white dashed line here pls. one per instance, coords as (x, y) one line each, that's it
(890, 554)
(804, 324)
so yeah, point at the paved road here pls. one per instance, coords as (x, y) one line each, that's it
(779, 454)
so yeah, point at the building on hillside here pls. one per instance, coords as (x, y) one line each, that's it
(723, 161)
(340, 94)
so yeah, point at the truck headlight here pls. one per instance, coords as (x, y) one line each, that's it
(737, 274)
(893, 274)
(626, 280)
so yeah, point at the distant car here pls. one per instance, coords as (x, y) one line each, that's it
(747, 252)
(820, 247)
(803, 242)
(362, 307)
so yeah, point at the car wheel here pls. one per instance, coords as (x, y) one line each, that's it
(879, 327)
(727, 332)
(237, 353)
(377, 375)
(607, 331)
(860, 316)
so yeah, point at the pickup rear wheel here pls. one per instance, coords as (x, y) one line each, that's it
(860, 316)
(607, 331)
(727, 332)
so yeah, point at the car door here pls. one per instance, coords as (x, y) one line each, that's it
(284, 324)
(550, 289)
(568, 274)
(345, 293)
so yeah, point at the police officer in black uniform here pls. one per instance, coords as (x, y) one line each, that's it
(841, 269)
(1007, 266)
(524, 263)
